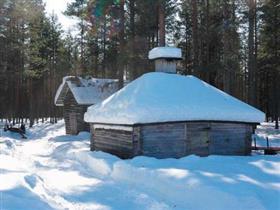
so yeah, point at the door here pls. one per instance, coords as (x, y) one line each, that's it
(73, 123)
(229, 139)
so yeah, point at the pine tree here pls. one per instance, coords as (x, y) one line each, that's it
(268, 58)
(251, 57)
(78, 8)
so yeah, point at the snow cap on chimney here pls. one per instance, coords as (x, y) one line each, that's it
(165, 58)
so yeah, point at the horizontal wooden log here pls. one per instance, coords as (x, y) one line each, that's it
(117, 142)
(277, 149)
(112, 131)
(105, 147)
(113, 135)
(177, 139)
(113, 142)
(119, 153)
(109, 138)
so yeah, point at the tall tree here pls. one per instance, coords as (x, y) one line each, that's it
(195, 36)
(78, 9)
(161, 22)
(231, 47)
(122, 41)
(251, 57)
(268, 58)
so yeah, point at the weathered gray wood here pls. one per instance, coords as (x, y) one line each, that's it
(175, 140)
(117, 142)
(73, 122)
(76, 124)
(92, 148)
(198, 138)
(163, 140)
(137, 143)
(163, 65)
(230, 139)
(110, 145)
(112, 141)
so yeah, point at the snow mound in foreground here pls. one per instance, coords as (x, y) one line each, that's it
(161, 97)
(56, 171)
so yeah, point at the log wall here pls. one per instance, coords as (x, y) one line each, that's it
(164, 140)
(117, 142)
(74, 115)
(197, 138)
(230, 139)
(175, 140)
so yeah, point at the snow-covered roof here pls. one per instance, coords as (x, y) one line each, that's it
(86, 91)
(160, 97)
(165, 52)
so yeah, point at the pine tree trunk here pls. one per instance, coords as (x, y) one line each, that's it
(122, 44)
(256, 84)
(195, 36)
(104, 48)
(31, 111)
(251, 57)
(226, 48)
(207, 77)
(161, 12)
(276, 76)
(133, 68)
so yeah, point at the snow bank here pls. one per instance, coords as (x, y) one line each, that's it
(160, 97)
(165, 52)
(60, 172)
(267, 130)
(86, 91)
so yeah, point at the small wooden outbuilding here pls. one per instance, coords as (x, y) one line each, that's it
(76, 94)
(167, 115)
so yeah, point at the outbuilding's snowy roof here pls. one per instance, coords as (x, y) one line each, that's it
(86, 91)
(165, 52)
(161, 97)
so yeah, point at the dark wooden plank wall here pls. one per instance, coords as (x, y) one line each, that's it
(175, 140)
(117, 142)
(230, 139)
(71, 106)
(200, 138)
(137, 143)
(164, 140)
(197, 138)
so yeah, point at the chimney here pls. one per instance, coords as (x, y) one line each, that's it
(165, 58)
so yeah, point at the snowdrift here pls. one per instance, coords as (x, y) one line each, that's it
(55, 171)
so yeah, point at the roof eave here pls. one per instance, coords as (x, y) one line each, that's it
(167, 58)
(84, 104)
(170, 122)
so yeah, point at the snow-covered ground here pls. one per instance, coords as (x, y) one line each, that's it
(51, 170)
(266, 130)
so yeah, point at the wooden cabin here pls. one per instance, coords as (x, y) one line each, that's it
(76, 94)
(170, 116)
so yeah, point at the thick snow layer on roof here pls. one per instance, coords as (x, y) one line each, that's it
(161, 97)
(86, 91)
(165, 52)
